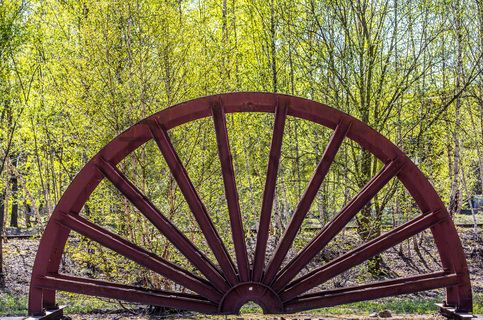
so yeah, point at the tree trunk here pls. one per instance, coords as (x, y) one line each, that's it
(480, 88)
(455, 196)
(2, 211)
(14, 189)
(28, 214)
(273, 48)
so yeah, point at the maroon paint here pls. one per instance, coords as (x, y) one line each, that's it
(380, 290)
(336, 225)
(304, 204)
(269, 191)
(123, 286)
(361, 254)
(139, 255)
(179, 240)
(279, 295)
(194, 202)
(131, 294)
(371, 285)
(230, 191)
(257, 292)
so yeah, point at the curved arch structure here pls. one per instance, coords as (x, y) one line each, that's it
(226, 285)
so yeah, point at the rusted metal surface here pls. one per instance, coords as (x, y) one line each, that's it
(224, 286)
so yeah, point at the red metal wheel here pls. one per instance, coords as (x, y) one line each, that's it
(225, 286)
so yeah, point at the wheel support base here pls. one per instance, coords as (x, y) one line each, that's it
(54, 314)
(452, 313)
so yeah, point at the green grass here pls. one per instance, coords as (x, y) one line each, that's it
(467, 218)
(397, 305)
(14, 305)
(82, 304)
(251, 307)
(478, 303)
(11, 305)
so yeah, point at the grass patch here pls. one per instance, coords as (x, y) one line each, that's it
(397, 305)
(408, 305)
(468, 218)
(82, 304)
(478, 303)
(251, 307)
(11, 305)
(15, 305)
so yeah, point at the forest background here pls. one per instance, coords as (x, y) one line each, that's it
(74, 74)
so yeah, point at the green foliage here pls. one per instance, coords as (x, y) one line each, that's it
(12, 304)
(81, 304)
(74, 74)
(397, 305)
(80, 73)
(251, 307)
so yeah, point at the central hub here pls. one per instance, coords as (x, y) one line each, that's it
(259, 293)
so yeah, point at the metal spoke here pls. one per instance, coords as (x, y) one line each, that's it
(194, 202)
(231, 193)
(269, 191)
(139, 255)
(306, 201)
(132, 294)
(125, 286)
(373, 291)
(166, 227)
(336, 225)
(362, 253)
